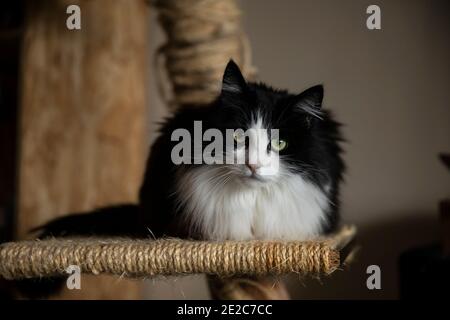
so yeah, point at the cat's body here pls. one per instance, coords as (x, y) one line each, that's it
(223, 202)
(297, 201)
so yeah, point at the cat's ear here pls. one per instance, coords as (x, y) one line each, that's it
(310, 101)
(233, 81)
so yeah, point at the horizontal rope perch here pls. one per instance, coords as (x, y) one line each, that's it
(142, 258)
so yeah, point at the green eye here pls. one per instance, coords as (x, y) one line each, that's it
(278, 145)
(239, 137)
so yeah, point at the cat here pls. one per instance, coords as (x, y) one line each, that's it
(236, 201)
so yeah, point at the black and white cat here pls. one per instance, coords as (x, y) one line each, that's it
(297, 201)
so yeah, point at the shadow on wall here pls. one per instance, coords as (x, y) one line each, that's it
(380, 245)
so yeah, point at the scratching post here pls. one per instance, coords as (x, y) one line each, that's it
(202, 36)
(83, 101)
(82, 146)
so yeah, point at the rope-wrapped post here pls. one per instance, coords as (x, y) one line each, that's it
(202, 36)
(168, 257)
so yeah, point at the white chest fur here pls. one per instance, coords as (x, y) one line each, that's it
(221, 209)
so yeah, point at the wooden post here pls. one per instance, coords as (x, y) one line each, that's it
(82, 130)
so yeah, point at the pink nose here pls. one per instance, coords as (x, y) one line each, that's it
(253, 167)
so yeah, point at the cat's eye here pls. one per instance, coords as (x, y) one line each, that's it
(239, 136)
(278, 144)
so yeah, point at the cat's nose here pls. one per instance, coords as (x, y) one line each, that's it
(253, 167)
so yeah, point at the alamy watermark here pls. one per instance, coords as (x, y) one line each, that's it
(73, 282)
(73, 21)
(373, 21)
(373, 282)
(254, 146)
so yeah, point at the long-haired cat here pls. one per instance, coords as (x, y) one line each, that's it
(236, 201)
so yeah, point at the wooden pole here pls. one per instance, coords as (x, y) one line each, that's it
(83, 102)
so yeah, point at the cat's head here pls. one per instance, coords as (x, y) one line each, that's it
(278, 133)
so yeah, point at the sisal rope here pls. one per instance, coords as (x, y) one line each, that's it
(145, 258)
(202, 36)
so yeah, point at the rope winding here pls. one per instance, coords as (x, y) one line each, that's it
(202, 36)
(146, 258)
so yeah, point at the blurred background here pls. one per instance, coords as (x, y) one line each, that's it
(389, 87)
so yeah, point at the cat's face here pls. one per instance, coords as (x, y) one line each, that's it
(274, 131)
(256, 149)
